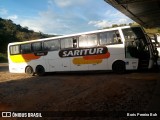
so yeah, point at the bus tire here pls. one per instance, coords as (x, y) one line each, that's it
(29, 70)
(119, 67)
(40, 71)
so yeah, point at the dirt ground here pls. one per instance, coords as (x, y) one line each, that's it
(87, 91)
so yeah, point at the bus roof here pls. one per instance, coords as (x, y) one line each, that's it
(71, 35)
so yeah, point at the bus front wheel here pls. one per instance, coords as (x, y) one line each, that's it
(40, 71)
(29, 70)
(119, 67)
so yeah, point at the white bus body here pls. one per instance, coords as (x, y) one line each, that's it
(117, 49)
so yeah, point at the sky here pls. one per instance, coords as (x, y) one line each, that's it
(61, 17)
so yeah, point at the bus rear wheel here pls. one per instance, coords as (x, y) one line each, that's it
(29, 70)
(119, 67)
(40, 71)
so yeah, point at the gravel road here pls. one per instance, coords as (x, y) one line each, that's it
(87, 91)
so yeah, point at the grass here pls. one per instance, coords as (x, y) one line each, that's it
(3, 58)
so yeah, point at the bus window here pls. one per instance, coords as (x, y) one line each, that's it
(26, 48)
(129, 35)
(103, 38)
(14, 49)
(67, 43)
(117, 37)
(37, 46)
(51, 45)
(111, 37)
(75, 43)
(92, 40)
(88, 40)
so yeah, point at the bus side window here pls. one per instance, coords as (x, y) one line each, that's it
(51, 45)
(106, 38)
(92, 39)
(111, 37)
(88, 40)
(103, 38)
(25, 48)
(14, 49)
(67, 43)
(37, 46)
(117, 37)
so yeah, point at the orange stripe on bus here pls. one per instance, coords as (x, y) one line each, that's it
(30, 56)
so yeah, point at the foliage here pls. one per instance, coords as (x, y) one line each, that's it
(3, 57)
(10, 32)
(152, 30)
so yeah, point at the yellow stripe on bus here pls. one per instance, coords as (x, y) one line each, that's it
(17, 59)
(79, 61)
(23, 58)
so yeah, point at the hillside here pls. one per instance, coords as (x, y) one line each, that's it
(10, 32)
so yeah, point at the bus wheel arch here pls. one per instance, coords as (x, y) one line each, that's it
(29, 70)
(40, 71)
(119, 66)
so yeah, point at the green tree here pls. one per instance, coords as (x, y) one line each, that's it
(114, 25)
(10, 32)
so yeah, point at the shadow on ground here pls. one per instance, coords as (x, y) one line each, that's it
(75, 91)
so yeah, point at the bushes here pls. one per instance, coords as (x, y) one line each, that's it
(3, 58)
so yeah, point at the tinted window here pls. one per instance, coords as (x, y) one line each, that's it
(51, 45)
(37, 46)
(14, 49)
(25, 48)
(88, 40)
(110, 37)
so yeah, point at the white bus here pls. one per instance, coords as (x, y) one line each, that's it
(117, 49)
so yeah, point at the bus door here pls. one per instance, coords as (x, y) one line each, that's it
(131, 54)
(136, 46)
